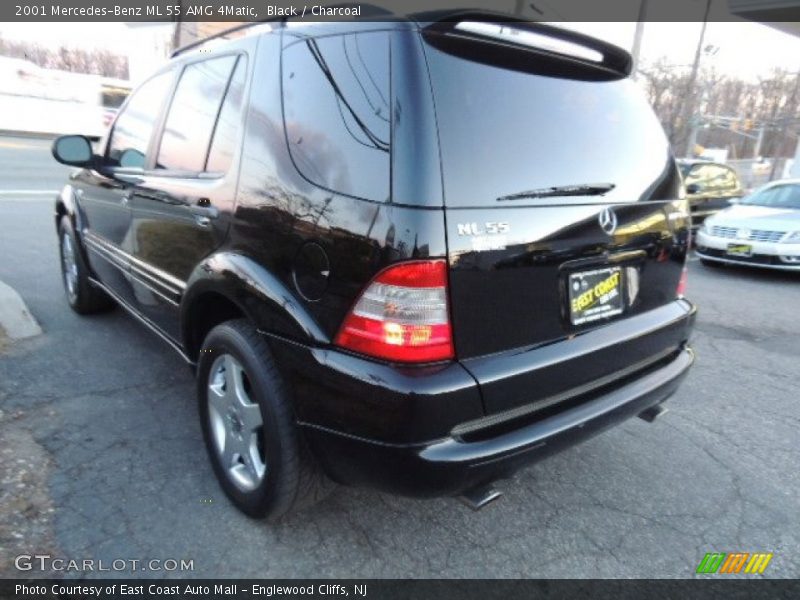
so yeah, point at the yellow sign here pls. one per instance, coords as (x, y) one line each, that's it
(594, 295)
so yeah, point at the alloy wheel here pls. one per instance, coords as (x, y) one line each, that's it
(69, 265)
(236, 423)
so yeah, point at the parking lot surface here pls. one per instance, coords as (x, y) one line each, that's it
(104, 457)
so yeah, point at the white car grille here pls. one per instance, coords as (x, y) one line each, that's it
(755, 235)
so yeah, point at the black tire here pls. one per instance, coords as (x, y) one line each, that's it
(82, 296)
(710, 263)
(291, 480)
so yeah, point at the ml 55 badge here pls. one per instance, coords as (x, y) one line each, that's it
(487, 236)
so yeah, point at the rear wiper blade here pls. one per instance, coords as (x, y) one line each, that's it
(587, 189)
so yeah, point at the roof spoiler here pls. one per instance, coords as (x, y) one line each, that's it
(524, 45)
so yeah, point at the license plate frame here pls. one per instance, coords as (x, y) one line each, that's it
(595, 295)
(741, 250)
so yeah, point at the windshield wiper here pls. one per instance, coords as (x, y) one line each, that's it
(587, 189)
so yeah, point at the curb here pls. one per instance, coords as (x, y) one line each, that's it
(15, 318)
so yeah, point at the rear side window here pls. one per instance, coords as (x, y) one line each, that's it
(336, 102)
(505, 132)
(193, 113)
(134, 126)
(226, 132)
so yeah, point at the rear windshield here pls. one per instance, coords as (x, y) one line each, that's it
(503, 132)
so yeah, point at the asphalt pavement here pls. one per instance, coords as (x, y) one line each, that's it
(108, 417)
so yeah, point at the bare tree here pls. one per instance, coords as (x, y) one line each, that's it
(95, 62)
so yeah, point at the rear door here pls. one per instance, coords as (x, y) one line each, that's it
(562, 210)
(182, 205)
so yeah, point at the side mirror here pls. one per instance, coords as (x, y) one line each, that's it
(131, 159)
(693, 188)
(73, 150)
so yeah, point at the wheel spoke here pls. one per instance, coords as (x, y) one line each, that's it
(217, 397)
(251, 417)
(234, 447)
(236, 384)
(253, 461)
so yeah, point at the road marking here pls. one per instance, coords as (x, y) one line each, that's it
(27, 192)
(30, 196)
(19, 146)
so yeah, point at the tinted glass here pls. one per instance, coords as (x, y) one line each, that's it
(113, 97)
(192, 114)
(699, 175)
(713, 178)
(504, 132)
(779, 196)
(729, 181)
(226, 132)
(336, 109)
(134, 125)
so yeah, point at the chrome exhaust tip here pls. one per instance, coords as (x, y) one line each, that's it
(652, 413)
(480, 496)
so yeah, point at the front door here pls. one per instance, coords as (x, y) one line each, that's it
(104, 194)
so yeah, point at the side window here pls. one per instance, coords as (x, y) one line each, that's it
(226, 132)
(729, 180)
(192, 114)
(718, 178)
(701, 175)
(337, 112)
(134, 125)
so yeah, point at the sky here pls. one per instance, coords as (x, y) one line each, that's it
(745, 49)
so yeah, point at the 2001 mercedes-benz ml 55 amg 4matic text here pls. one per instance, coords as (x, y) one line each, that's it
(414, 255)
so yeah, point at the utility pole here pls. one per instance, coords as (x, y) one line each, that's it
(759, 141)
(637, 37)
(688, 98)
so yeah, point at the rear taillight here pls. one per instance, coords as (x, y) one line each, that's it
(681, 289)
(402, 315)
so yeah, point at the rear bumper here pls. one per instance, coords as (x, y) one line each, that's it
(424, 431)
(454, 464)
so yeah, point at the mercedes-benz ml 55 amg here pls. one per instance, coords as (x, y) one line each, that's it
(414, 255)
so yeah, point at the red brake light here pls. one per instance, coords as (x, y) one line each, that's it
(682, 283)
(402, 315)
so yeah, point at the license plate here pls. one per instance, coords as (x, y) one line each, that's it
(595, 295)
(740, 250)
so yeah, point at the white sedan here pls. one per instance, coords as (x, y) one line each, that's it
(761, 230)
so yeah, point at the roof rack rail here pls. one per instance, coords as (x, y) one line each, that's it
(368, 10)
(221, 34)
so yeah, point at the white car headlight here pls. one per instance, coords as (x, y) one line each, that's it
(792, 238)
(706, 227)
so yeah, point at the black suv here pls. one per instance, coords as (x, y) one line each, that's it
(414, 255)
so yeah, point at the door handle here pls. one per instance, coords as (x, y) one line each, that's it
(209, 212)
(125, 198)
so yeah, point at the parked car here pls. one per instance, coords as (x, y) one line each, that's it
(374, 243)
(761, 230)
(710, 187)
